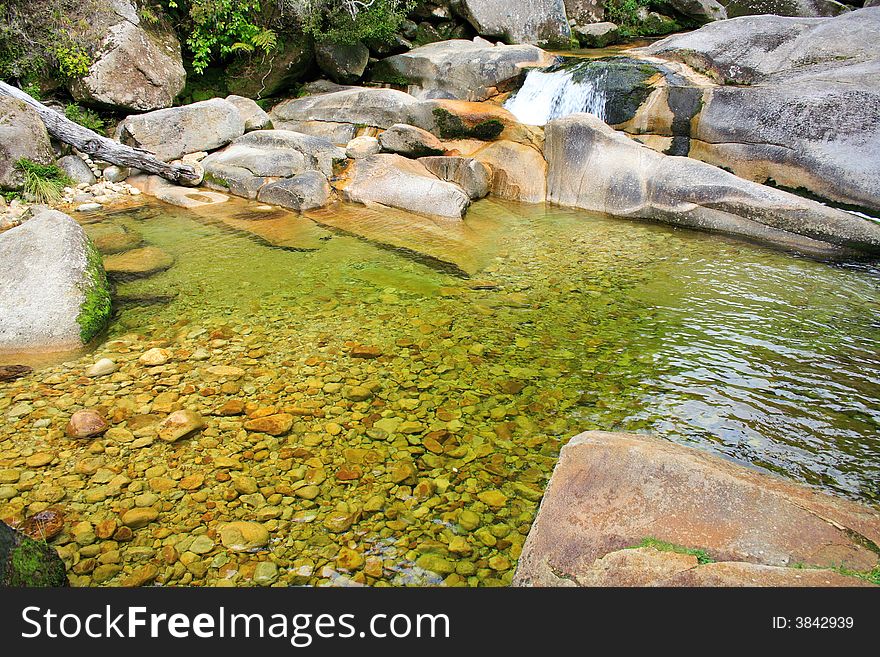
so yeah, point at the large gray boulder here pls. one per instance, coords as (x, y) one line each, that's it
(263, 156)
(135, 67)
(174, 132)
(401, 183)
(306, 191)
(461, 69)
(77, 170)
(802, 8)
(342, 63)
(700, 521)
(700, 11)
(539, 22)
(22, 136)
(797, 101)
(592, 166)
(380, 108)
(254, 116)
(410, 141)
(53, 290)
(470, 174)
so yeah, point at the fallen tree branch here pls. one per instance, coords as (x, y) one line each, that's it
(87, 141)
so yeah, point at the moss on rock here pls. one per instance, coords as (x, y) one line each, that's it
(95, 310)
(452, 127)
(26, 562)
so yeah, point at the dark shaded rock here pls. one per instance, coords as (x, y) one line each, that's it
(26, 562)
(596, 35)
(342, 63)
(260, 76)
(13, 372)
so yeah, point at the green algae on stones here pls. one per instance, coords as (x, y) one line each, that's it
(451, 126)
(26, 562)
(95, 310)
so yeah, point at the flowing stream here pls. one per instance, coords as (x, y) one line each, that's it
(548, 95)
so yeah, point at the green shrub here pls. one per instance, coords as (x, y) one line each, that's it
(347, 22)
(44, 182)
(85, 117)
(625, 14)
(45, 39)
(218, 28)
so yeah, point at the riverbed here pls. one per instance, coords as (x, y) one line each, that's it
(433, 372)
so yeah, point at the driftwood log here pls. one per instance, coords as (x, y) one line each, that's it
(87, 141)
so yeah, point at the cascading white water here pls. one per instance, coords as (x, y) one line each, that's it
(545, 96)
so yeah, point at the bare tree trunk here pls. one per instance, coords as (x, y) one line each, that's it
(87, 141)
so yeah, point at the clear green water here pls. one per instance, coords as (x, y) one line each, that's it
(569, 322)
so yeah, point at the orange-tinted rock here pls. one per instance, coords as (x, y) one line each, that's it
(274, 425)
(612, 491)
(365, 351)
(43, 525)
(86, 424)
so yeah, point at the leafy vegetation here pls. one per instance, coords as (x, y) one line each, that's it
(44, 39)
(44, 182)
(625, 13)
(85, 117)
(214, 30)
(348, 22)
(701, 555)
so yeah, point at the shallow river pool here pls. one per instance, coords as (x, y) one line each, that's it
(432, 372)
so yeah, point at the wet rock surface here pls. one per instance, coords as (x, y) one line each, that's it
(610, 492)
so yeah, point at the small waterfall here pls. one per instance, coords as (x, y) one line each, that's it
(547, 95)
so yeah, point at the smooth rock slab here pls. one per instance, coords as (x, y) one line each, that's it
(470, 174)
(376, 107)
(591, 166)
(410, 141)
(611, 491)
(172, 133)
(306, 191)
(395, 181)
(138, 263)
